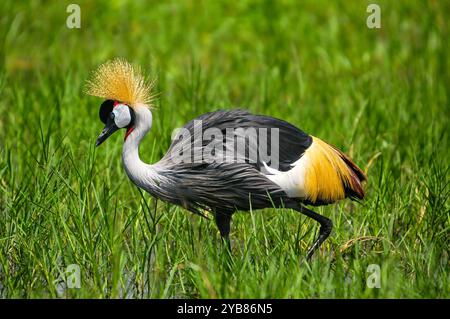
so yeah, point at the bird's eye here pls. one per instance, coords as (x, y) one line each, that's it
(111, 115)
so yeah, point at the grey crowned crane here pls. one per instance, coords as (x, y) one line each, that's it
(308, 171)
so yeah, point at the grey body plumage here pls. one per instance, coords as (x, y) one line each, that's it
(230, 186)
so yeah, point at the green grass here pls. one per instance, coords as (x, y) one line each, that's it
(381, 95)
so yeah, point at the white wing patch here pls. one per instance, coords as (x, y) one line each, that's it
(291, 181)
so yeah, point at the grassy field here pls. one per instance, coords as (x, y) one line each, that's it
(381, 95)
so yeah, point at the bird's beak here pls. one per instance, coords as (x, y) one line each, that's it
(110, 128)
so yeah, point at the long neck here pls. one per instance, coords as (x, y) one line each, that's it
(142, 174)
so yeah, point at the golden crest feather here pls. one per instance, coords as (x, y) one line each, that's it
(118, 80)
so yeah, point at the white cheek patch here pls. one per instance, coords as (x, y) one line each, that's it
(122, 116)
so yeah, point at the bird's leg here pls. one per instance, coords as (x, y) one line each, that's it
(223, 221)
(326, 225)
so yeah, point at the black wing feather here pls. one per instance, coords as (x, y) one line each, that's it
(292, 142)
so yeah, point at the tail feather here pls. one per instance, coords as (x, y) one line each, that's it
(357, 176)
(331, 175)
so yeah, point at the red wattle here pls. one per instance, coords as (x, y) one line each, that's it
(128, 133)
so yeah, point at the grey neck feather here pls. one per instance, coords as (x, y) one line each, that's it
(143, 175)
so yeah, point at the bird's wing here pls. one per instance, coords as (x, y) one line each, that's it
(221, 186)
(268, 149)
(266, 142)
